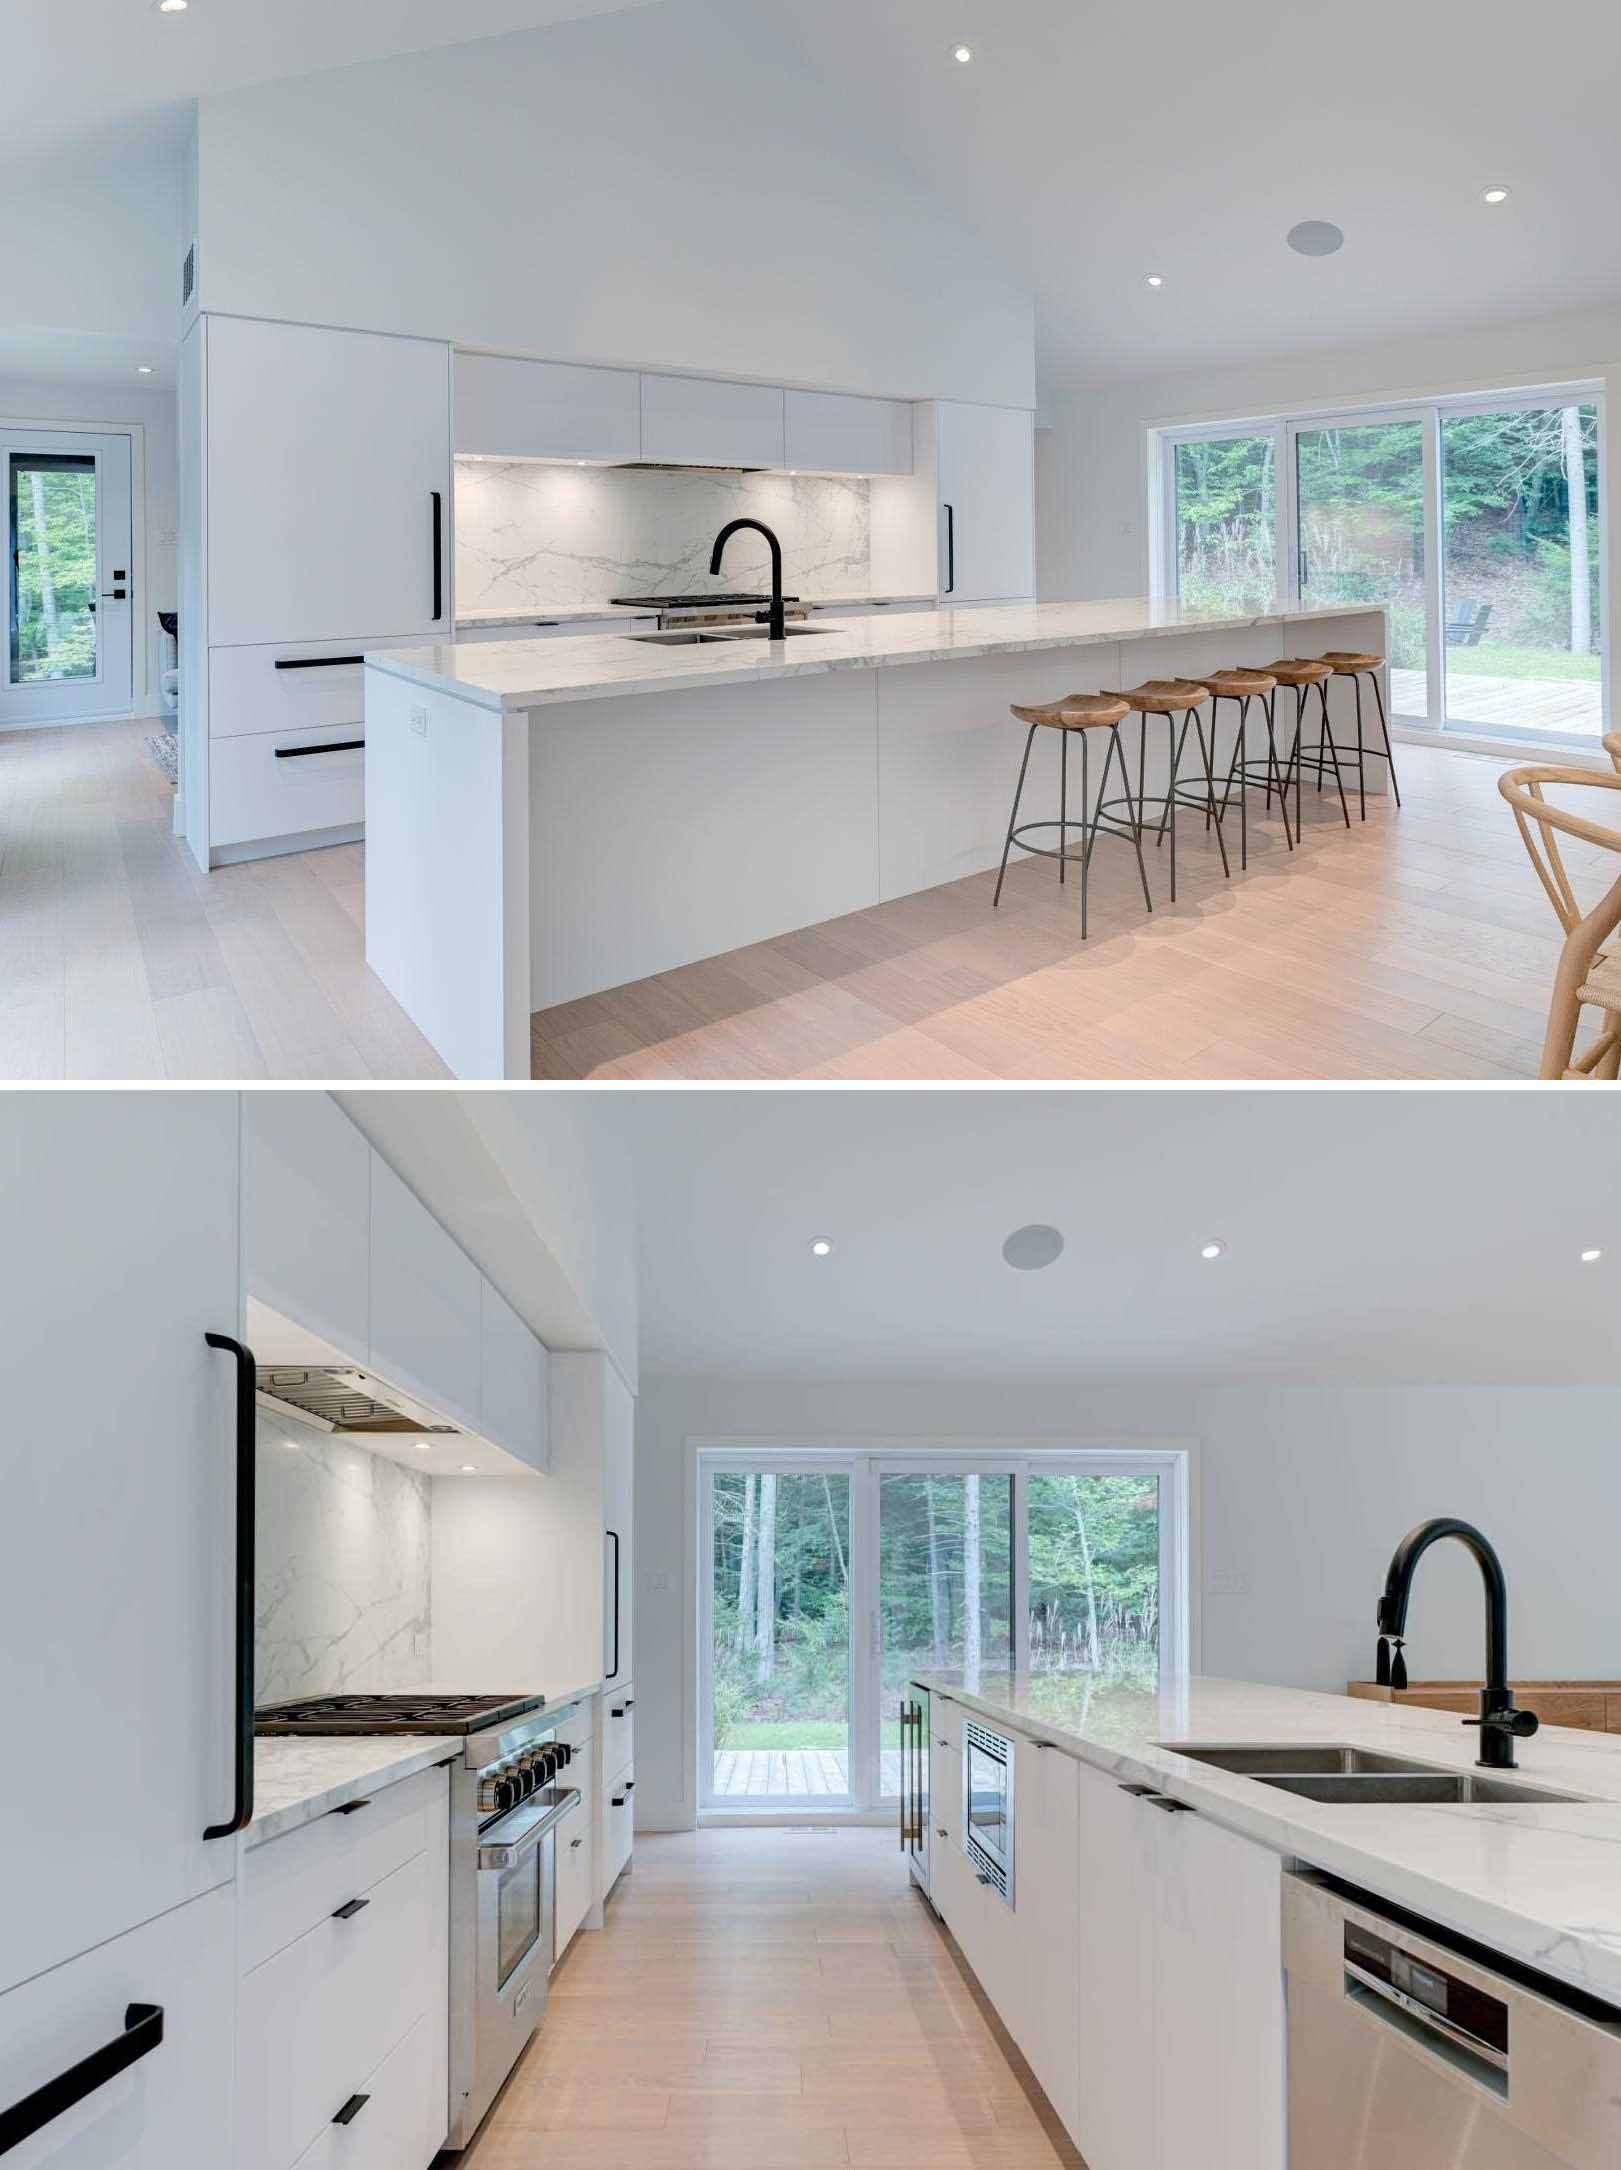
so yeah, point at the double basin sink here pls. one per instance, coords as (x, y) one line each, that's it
(1333, 1772)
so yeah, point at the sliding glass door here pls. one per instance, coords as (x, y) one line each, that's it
(1360, 499)
(829, 1580)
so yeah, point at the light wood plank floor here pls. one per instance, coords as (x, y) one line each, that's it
(120, 959)
(1418, 945)
(768, 2000)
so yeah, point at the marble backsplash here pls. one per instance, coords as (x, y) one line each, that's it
(529, 535)
(343, 1597)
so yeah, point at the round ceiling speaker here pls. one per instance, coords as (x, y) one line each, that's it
(1031, 1248)
(1315, 237)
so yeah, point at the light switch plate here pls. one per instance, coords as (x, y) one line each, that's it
(1228, 1582)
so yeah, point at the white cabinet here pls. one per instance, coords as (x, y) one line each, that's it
(701, 422)
(837, 433)
(328, 483)
(619, 1525)
(618, 1828)
(170, 2110)
(118, 1252)
(512, 1381)
(510, 409)
(987, 503)
(1046, 1908)
(426, 1302)
(1181, 1989)
(612, 622)
(576, 1863)
(306, 1223)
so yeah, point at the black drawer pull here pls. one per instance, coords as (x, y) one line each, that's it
(1171, 1807)
(336, 745)
(630, 1785)
(350, 1808)
(940, 1830)
(348, 1913)
(630, 1702)
(618, 1801)
(143, 2031)
(1143, 1793)
(575, 1842)
(351, 2109)
(315, 663)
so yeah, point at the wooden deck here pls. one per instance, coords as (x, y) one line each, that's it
(1568, 707)
(792, 1774)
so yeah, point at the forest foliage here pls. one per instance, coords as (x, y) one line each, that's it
(56, 570)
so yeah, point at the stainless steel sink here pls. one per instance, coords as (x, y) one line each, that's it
(763, 632)
(1341, 1774)
(675, 640)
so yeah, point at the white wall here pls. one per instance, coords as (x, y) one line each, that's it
(1092, 490)
(661, 186)
(1301, 1494)
(92, 247)
(79, 404)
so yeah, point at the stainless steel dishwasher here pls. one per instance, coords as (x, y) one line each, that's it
(1412, 2050)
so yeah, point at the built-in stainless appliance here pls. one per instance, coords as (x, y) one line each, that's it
(987, 1805)
(914, 1728)
(504, 1810)
(342, 1398)
(675, 611)
(1410, 2047)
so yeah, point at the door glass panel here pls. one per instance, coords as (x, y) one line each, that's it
(52, 514)
(1226, 522)
(1361, 512)
(780, 1666)
(1519, 496)
(944, 1585)
(517, 1913)
(1093, 1580)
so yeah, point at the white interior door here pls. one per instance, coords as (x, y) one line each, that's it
(70, 575)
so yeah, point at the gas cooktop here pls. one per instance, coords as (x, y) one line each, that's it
(420, 1713)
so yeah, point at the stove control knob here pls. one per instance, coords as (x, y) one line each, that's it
(488, 1795)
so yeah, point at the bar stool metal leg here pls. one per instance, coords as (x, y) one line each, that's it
(1117, 750)
(1384, 733)
(1333, 754)
(1361, 754)
(1212, 818)
(1063, 806)
(1018, 794)
(1274, 773)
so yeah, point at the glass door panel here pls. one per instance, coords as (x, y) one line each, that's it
(779, 1662)
(1520, 514)
(1360, 518)
(1224, 509)
(945, 1585)
(54, 575)
(1094, 1575)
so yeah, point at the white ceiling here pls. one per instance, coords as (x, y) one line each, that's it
(1407, 1235)
(1094, 143)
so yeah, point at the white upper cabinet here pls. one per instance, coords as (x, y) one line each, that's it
(118, 1253)
(700, 422)
(836, 433)
(328, 483)
(619, 1522)
(987, 503)
(513, 1379)
(508, 409)
(426, 1302)
(306, 1233)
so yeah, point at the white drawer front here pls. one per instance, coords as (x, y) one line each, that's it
(578, 1727)
(296, 686)
(285, 783)
(618, 1729)
(576, 1861)
(945, 1722)
(399, 2126)
(618, 1827)
(313, 2021)
(293, 1884)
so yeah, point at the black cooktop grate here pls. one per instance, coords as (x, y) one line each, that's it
(391, 1713)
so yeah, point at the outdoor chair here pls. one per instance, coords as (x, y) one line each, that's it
(1466, 622)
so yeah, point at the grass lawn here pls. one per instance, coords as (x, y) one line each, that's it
(797, 1733)
(1507, 659)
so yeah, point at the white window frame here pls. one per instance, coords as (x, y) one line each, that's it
(865, 1463)
(1284, 425)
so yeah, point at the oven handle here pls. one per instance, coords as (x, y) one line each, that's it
(505, 1843)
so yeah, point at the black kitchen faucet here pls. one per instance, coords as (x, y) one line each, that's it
(774, 618)
(1500, 1722)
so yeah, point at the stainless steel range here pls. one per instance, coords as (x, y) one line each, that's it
(505, 1806)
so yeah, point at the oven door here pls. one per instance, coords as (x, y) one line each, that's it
(516, 1878)
(987, 1821)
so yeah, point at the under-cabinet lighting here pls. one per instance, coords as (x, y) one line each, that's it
(469, 1469)
(173, 7)
(1592, 1255)
(1213, 1249)
(143, 369)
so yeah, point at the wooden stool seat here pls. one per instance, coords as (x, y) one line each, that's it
(1239, 684)
(1300, 671)
(1076, 712)
(1163, 696)
(1346, 662)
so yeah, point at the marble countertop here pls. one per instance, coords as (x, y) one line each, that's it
(1540, 1881)
(301, 1776)
(514, 675)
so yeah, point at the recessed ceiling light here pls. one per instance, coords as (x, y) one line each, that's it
(173, 7)
(1592, 1255)
(1212, 1249)
(963, 54)
(1315, 237)
(143, 369)
(1154, 279)
(469, 1469)
(821, 1248)
(1029, 1249)
(1497, 193)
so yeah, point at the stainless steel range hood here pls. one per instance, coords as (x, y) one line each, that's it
(339, 1398)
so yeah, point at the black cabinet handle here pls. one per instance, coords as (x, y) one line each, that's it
(246, 1461)
(951, 548)
(350, 1808)
(613, 1670)
(143, 2031)
(630, 1702)
(1171, 1807)
(940, 1830)
(438, 500)
(630, 1785)
(351, 2109)
(1143, 1793)
(618, 1801)
(315, 663)
(349, 1911)
(574, 1844)
(333, 745)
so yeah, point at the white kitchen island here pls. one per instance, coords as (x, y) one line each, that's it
(548, 819)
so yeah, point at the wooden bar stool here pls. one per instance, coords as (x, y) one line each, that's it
(1348, 663)
(1242, 687)
(1173, 698)
(1303, 673)
(1081, 713)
